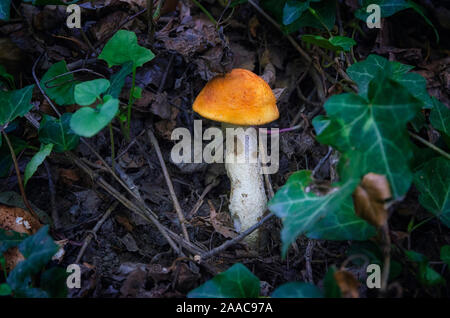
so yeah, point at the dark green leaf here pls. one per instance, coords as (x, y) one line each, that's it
(36, 161)
(10, 239)
(38, 250)
(235, 282)
(440, 117)
(336, 43)
(6, 76)
(4, 9)
(53, 281)
(118, 80)
(58, 132)
(388, 7)
(5, 290)
(123, 47)
(377, 128)
(300, 208)
(59, 89)
(87, 121)
(15, 104)
(330, 285)
(297, 290)
(293, 10)
(5, 154)
(433, 182)
(445, 254)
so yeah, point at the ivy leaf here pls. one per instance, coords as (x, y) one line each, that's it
(235, 282)
(388, 7)
(297, 290)
(377, 128)
(10, 239)
(336, 43)
(88, 121)
(38, 250)
(440, 117)
(300, 208)
(59, 89)
(342, 225)
(118, 80)
(5, 290)
(4, 9)
(6, 76)
(433, 182)
(293, 10)
(86, 93)
(57, 132)
(36, 161)
(325, 14)
(426, 275)
(123, 47)
(332, 132)
(53, 281)
(15, 104)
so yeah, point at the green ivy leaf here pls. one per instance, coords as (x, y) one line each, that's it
(377, 128)
(433, 182)
(59, 89)
(88, 121)
(15, 104)
(293, 10)
(332, 132)
(57, 132)
(388, 7)
(118, 80)
(6, 76)
(426, 275)
(440, 117)
(235, 282)
(10, 239)
(38, 250)
(4, 9)
(123, 47)
(297, 290)
(53, 281)
(300, 208)
(343, 225)
(86, 93)
(330, 285)
(36, 161)
(5, 290)
(336, 43)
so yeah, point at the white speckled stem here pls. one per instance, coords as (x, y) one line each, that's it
(248, 199)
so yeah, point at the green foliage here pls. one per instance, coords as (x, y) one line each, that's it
(297, 290)
(4, 9)
(88, 121)
(60, 89)
(38, 250)
(15, 104)
(304, 212)
(36, 161)
(6, 161)
(433, 182)
(8, 78)
(123, 47)
(335, 43)
(10, 239)
(425, 274)
(87, 93)
(118, 80)
(235, 282)
(440, 117)
(57, 132)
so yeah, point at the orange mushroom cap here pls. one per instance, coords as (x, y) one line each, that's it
(240, 97)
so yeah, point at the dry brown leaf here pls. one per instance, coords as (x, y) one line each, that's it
(68, 176)
(370, 199)
(348, 284)
(218, 224)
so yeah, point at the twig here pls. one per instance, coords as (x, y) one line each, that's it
(200, 200)
(206, 12)
(308, 257)
(386, 238)
(51, 188)
(151, 22)
(176, 204)
(92, 233)
(430, 145)
(235, 240)
(19, 178)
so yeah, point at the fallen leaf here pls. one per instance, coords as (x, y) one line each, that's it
(218, 224)
(370, 199)
(348, 284)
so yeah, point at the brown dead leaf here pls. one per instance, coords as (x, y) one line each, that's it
(68, 176)
(218, 224)
(348, 284)
(253, 25)
(122, 220)
(370, 199)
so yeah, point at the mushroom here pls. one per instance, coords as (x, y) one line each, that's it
(17, 220)
(240, 100)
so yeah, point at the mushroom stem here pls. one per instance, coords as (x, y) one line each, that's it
(248, 199)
